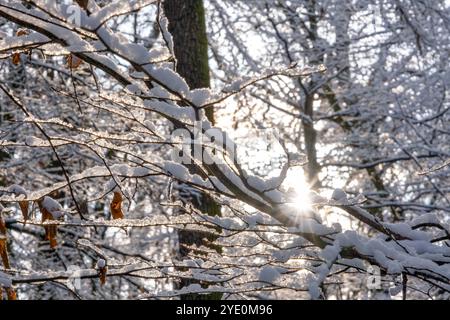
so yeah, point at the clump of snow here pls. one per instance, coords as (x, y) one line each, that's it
(34, 142)
(274, 195)
(273, 182)
(138, 75)
(236, 85)
(110, 185)
(167, 36)
(171, 110)
(269, 274)
(195, 287)
(140, 171)
(340, 196)
(196, 179)
(330, 253)
(313, 287)
(159, 92)
(199, 96)
(406, 231)
(225, 223)
(395, 290)
(254, 219)
(284, 255)
(425, 218)
(169, 79)
(17, 190)
(53, 207)
(177, 170)
(256, 183)
(219, 185)
(150, 125)
(394, 267)
(189, 263)
(5, 280)
(337, 226)
(101, 263)
(133, 89)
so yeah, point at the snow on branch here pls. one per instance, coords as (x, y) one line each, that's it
(145, 90)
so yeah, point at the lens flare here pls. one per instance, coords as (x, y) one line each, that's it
(295, 180)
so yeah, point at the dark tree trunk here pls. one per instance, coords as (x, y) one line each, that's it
(188, 29)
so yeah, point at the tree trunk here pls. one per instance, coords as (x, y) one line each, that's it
(310, 134)
(188, 29)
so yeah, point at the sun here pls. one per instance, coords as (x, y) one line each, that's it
(302, 201)
(295, 180)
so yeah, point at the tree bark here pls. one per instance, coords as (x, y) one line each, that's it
(188, 29)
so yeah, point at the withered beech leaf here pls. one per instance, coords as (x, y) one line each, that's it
(2, 226)
(102, 274)
(11, 293)
(73, 62)
(50, 231)
(4, 252)
(22, 32)
(16, 58)
(116, 206)
(24, 208)
(3, 244)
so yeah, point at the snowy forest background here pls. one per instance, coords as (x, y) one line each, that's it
(336, 185)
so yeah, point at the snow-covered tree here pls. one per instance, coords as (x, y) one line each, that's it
(109, 150)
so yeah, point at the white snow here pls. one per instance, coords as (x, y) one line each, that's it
(200, 181)
(337, 226)
(251, 220)
(101, 263)
(167, 36)
(340, 196)
(425, 218)
(53, 207)
(169, 78)
(17, 190)
(9, 43)
(186, 114)
(177, 170)
(406, 231)
(140, 171)
(313, 287)
(159, 92)
(275, 195)
(115, 9)
(219, 185)
(395, 290)
(5, 280)
(330, 253)
(256, 183)
(394, 267)
(133, 89)
(199, 96)
(269, 274)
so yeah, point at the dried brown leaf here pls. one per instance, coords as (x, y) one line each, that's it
(116, 206)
